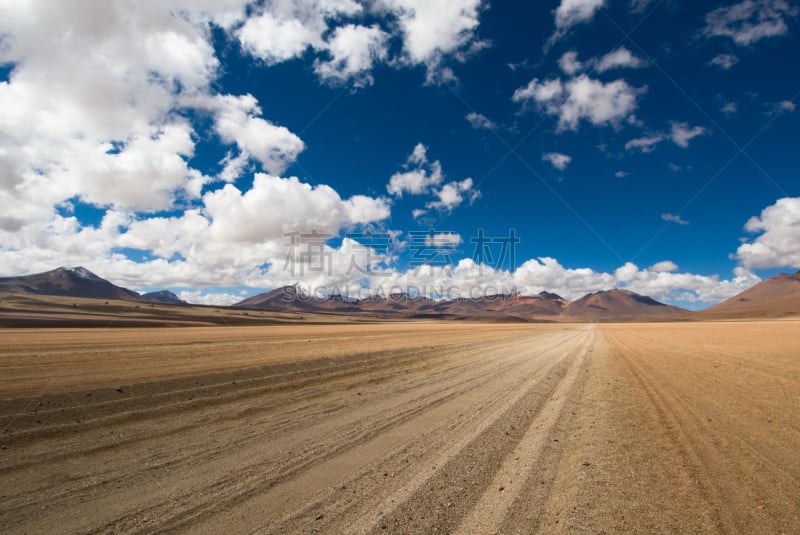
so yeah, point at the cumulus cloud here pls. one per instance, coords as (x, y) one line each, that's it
(729, 108)
(569, 63)
(665, 266)
(420, 174)
(778, 243)
(275, 206)
(451, 195)
(645, 144)
(109, 136)
(618, 58)
(682, 133)
(353, 50)
(275, 39)
(724, 61)
(433, 30)
(750, 21)
(237, 120)
(784, 106)
(581, 98)
(668, 285)
(557, 160)
(480, 122)
(423, 177)
(570, 13)
(674, 218)
(443, 240)
(199, 297)
(465, 278)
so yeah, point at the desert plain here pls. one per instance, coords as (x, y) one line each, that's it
(407, 427)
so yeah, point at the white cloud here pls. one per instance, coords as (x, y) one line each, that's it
(664, 284)
(274, 40)
(275, 206)
(108, 136)
(750, 21)
(729, 108)
(282, 30)
(581, 98)
(451, 195)
(431, 31)
(415, 182)
(467, 279)
(541, 92)
(570, 13)
(444, 240)
(674, 218)
(480, 122)
(423, 177)
(778, 244)
(557, 160)
(418, 212)
(724, 61)
(645, 144)
(569, 63)
(420, 176)
(618, 58)
(199, 297)
(682, 133)
(621, 174)
(784, 106)
(435, 29)
(237, 120)
(354, 50)
(665, 266)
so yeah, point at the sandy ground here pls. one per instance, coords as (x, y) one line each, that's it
(402, 428)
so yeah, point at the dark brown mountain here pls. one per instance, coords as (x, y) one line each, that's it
(294, 299)
(776, 296)
(163, 296)
(72, 282)
(618, 305)
(613, 305)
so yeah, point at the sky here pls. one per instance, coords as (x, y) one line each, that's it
(451, 148)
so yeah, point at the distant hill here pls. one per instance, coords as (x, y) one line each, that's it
(618, 305)
(776, 296)
(163, 296)
(72, 282)
(613, 305)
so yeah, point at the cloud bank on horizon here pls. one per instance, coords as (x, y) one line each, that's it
(183, 144)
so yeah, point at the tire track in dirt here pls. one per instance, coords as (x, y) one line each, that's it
(746, 486)
(524, 462)
(222, 446)
(447, 486)
(299, 491)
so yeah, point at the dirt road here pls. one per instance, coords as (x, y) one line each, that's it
(402, 428)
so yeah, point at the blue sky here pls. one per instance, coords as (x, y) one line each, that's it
(642, 144)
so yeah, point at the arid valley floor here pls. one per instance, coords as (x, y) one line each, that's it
(414, 427)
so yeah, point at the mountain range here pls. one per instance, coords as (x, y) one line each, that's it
(79, 282)
(777, 296)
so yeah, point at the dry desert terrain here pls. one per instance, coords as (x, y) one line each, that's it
(402, 428)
